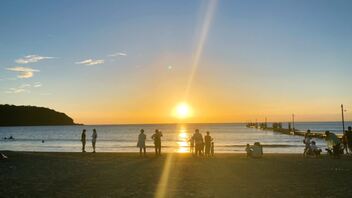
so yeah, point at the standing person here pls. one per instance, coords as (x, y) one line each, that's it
(141, 142)
(344, 141)
(207, 139)
(191, 144)
(157, 141)
(83, 140)
(306, 142)
(349, 138)
(94, 139)
(212, 149)
(198, 139)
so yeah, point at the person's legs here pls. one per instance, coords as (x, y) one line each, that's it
(93, 144)
(83, 146)
(145, 151)
(336, 150)
(140, 151)
(345, 147)
(207, 150)
(350, 146)
(159, 149)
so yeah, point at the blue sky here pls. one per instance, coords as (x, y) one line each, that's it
(115, 61)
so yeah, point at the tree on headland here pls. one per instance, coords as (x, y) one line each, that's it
(11, 115)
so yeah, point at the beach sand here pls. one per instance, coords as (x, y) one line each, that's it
(32, 174)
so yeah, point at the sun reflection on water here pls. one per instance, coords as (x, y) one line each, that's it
(183, 144)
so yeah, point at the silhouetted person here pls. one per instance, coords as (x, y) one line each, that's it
(349, 138)
(141, 143)
(257, 150)
(157, 141)
(333, 143)
(248, 150)
(314, 149)
(191, 144)
(83, 140)
(207, 140)
(212, 149)
(94, 139)
(198, 139)
(306, 142)
(344, 141)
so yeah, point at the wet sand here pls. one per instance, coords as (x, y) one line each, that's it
(30, 174)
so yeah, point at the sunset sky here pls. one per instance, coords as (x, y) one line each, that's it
(129, 61)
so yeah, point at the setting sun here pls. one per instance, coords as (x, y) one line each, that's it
(183, 111)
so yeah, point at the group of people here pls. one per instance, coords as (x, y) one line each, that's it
(156, 137)
(255, 151)
(310, 147)
(200, 146)
(84, 139)
(335, 145)
(203, 147)
(9, 138)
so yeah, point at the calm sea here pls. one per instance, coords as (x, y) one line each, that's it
(228, 138)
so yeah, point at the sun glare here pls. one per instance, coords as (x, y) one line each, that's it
(183, 111)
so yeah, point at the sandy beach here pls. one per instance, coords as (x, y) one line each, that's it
(33, 174)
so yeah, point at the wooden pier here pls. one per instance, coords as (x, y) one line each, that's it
(290, 131)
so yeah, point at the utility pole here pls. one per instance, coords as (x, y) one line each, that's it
(293, 122)
(343, 119)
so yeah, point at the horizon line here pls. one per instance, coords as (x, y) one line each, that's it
(82, 124)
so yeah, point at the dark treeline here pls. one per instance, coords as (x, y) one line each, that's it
(11, 115)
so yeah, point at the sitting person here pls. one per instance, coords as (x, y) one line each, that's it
(248, 150)
(333, 144)
(314, 150)
(255, 151)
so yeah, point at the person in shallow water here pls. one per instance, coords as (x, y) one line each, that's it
(83, 140)
(94, 139)
(157, 141)
(207, 139)
(141, 143)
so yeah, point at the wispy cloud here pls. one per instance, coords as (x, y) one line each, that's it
(16, 91)
(90, 62)
(118, 54)
(37, 84)
(31, 59)
(24, 72)
(24, 88)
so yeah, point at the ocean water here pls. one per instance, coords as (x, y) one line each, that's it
(228, 138)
